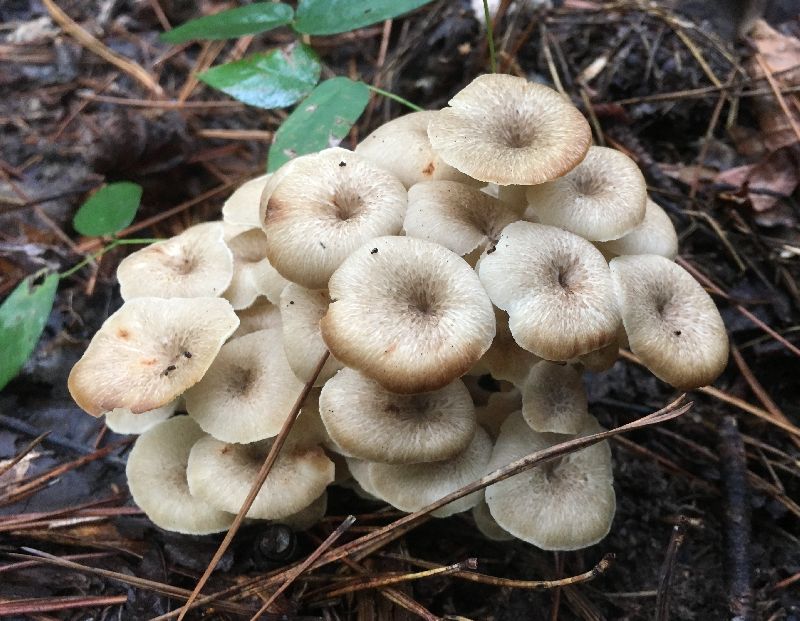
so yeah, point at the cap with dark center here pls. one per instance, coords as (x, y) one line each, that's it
(369, 422)
(408, 313)
(554, 399)
(196, 263)
(325, 207)
(149, 352)
(401, 146)
(654, 235)
(671, 322)
(602, 198)
(121, 420)
(556, 288)
(564, 504)
(505, 130)
(156, 472)
(242, 206)
(252, 273)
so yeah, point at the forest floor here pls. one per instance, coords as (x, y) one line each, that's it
(719, 143)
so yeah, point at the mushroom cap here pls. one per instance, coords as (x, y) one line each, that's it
(252, 273)
(408, 313)
(654, 235)
(156, 472)
(261, 315)
(487, 525)
(401, 146)
(556, 288)
(456, 216)
(601, 359)
(121, 420)
(369, 422)
(505, 130)
(301, 311)
(194, 264)
(505, 360)
(306, 518)
(515, 196)
(671, 322)
(248, 390)
(554, 399)
(360, 469)
(242, 207)
(602, 198)
(410, 487)
(497, 409)
(149, 352)
(325, 207)
(565, 504)
(222, 475)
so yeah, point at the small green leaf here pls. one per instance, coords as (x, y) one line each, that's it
(109, 210)
(321, 120)
(325, 17)
(23, 316)
(232, 23)
(273, 80)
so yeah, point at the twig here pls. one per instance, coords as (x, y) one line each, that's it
(24, 607)
(21, 455)
(490, 36)
(668, 569)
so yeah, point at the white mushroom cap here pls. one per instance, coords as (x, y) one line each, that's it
(360, 469)
(243, 205)
(306, 518)
(325, 207)
(497, 409)
(301, 311)
(149, 352)
(456, 216)
(222, 475)
(566, 504)
(654, 235)
(156, 472)
(252, 273)
(401, 146)
(602, 198)
(554, 399)
(505, 130)
(487, 525)
(671, 322)
(410, 487)
(505, 360)
(369, 422)
(556, 288)
(194, 264)
(247, 392)
(408, 313)
(262, 315)
(121, 420)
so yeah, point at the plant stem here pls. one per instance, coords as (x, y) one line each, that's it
(394, 97)
(490, 36)
(96, 255)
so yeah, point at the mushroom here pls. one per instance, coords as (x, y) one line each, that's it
(156, 472)
(306, 518)
(566, 503)
(505, 360)
(325, 207)
(554, 399)
(242, 207)
(602, 198)
(487, 525)
(149, 352)
(247, 392)
(556, 288)
(121, 420)
(261, 315)
(601, 359)
(194, 264)
(505, 130)
(654, 235)
(408, 313)
(497, 409)
(671, 322)
(301, 311)
(252, 273)
(368, 422)
(401, 146)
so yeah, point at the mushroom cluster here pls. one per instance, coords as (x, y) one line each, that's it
(487, 243)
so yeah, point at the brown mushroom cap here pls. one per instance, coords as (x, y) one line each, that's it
(156, 472)
(554, 399)
(325, 207)
(149, 352)
(247, 392)
(222, 474)
(124, 421)
(408, 313)
(252, 273)
(556, 288)
(456, 216)
(242, 206)
(505, 130)
(602, 198)
(671, 322)
(564, 504)
(401, 146)
(369, 422)
(654, 235)
(194, 264)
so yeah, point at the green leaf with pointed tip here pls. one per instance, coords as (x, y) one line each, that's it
(23, 316)
(109, 210)
(325, 17)
(244, 20)
(321, 120)
(273, 80)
